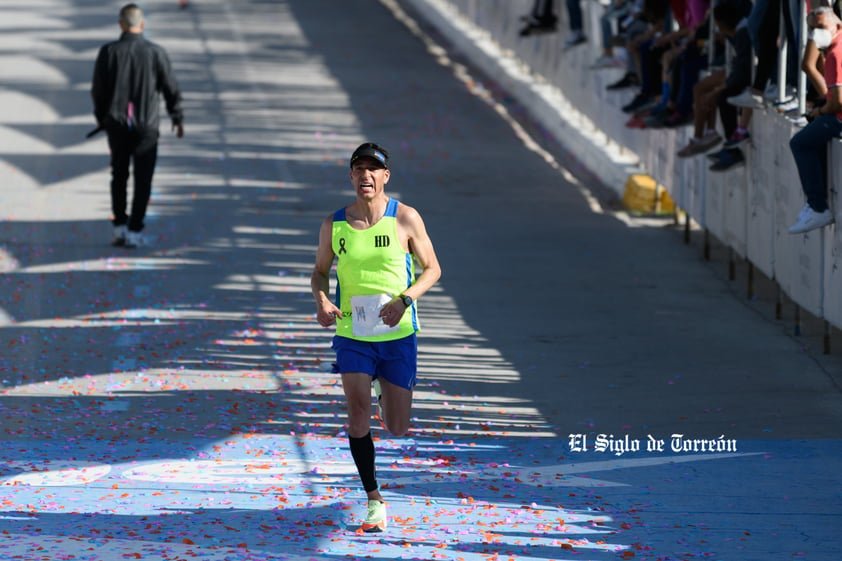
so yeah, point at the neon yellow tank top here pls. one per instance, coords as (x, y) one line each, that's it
(372, 262)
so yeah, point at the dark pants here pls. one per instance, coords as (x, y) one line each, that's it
(140, 150)
(650, 67)
(688, 68)
(574, 14)
(809, 149)
(728, 113)
(767, 45)
(543, 12)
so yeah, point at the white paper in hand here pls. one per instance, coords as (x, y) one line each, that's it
(365, 319)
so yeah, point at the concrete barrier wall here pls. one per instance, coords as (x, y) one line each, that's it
(748, 208)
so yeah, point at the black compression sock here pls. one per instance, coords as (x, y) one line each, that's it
(362, 450)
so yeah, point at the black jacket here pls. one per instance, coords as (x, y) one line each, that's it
(134, 70)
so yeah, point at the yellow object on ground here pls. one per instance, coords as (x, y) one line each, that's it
(644, 195)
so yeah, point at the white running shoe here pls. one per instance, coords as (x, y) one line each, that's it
(134, 239)
(809, 220)
(747, 99)
(771, 92)
(375, 520)
(786, 105)
(804, 210)
(608, 61)
(380, 412)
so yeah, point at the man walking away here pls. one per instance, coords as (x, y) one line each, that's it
(129, 75)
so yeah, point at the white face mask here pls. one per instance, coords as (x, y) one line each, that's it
(821, 37)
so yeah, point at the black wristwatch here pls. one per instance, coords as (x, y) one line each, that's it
(407, 300)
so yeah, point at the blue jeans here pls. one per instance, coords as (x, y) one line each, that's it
(692, 64)
(607, 30)
(809, 148)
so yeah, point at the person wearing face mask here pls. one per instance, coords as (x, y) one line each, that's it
(812, 64)
(809, 145)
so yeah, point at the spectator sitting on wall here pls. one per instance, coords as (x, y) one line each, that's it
(809, 145)
(681, 64)
(635, 28)
(705, 93)
(615, 15)
(812, 64)
(730, 18)
(764, 25)
(575, 19)
(647, 55)
(694, 61)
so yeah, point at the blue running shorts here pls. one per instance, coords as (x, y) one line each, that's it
(395, 361)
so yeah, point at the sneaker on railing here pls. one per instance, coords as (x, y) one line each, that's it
(714, 156)
(575, 38)
(729, 159)
(678, 119)
(630, 80)
(809, 220)
(640, 102)
(798, 120)
(737, 139)
(700, 145)
(636, 122)
(657, 118)
(710, 139)
(607, 61)
(747, 99)
(786, 105)
(804, 210)
(771, 92)
(693, 147)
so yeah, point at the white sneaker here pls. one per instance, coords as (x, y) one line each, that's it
(134, 239)
(378, 395)
(748, 99)
(786, 105)
(376, 520)
(771, 92)
(119, 236)
(575, 38)
(809, 219)
(798, 120)
(607, 61)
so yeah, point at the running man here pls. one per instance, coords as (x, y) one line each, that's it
(376, 241)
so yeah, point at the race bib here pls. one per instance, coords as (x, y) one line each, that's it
(365, 321)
